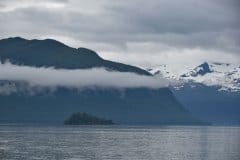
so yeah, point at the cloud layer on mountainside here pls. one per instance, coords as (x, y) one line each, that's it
(77, 78)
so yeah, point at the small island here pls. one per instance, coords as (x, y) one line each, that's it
(82, 118)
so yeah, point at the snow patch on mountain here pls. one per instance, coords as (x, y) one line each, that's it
(224, 75)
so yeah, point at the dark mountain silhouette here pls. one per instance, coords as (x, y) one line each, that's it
(50, 52)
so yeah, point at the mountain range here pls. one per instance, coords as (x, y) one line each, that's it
(210, 91)
(140, 105)
(225, 76)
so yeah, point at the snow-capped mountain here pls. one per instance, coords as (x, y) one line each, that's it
(210, 91)
(223, 75)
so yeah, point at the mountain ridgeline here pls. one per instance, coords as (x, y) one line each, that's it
(51, 53)
(127, 106)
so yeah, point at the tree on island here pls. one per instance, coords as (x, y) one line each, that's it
(82, 118)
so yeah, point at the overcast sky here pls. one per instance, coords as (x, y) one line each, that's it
(140, 32)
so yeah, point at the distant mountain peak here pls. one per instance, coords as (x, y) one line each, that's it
(52, 41)
(15, 38)
(223, 75)
(201, 70)
(19, 41)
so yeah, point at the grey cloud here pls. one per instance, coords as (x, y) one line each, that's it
(187, 24)
(127, 21)
(184, 17)
(2, 6)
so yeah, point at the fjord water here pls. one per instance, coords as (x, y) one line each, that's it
(119, 142)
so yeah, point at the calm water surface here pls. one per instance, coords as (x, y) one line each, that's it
(119, 142)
